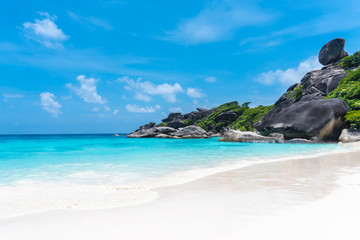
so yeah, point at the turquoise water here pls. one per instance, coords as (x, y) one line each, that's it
(99, 159)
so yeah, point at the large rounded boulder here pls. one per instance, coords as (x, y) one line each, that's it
(320, 119)
(332, 51)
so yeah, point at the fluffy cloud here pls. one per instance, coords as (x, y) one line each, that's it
(87, 90)
(290, 75)
(217, 22)
(144, 90)
(45, 31)
(116, 111)
(137, 108)
(194, 93)
(91, 21)
(49, 104)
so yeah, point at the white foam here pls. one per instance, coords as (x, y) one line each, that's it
(34, 197)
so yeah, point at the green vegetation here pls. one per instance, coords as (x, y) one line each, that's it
(163, 124)
(349, 91)
(231, 106)
(351, 61)
(249, 117)
(246, 117)
(353, 117)
(187, 121)
(297, 92)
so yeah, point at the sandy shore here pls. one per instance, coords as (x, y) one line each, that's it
(315, 198)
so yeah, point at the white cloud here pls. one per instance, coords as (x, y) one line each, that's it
(91, 21)
(290, 75)
(95, 109)
(210, 79)
(107, 109)
(87, 90)
(194, 93)
(176, 109)
(217, 22)
(45, 31)
(144, 90)
(49, 104)
(137, 108)
(115, 111)
(8, 95)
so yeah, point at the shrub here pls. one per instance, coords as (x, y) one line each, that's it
(351, 61)
(353, 117)
(187, 121)
(231, 106)
(349, 91)
(250, 116)
(297, 92)
(163, 124)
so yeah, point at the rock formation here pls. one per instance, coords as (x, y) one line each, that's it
(349, 135)
(332, 51)
(191, 131)
(320, 119)
(301, 115)
(302, 111)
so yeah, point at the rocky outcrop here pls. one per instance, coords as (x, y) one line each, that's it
(228, 117)
(192, 131)
(302, 111)
(177, 123)
(166, 130)
(320, 119)
(172, 116)
(332, 51)
(239, 136)
(144, 132)
(301, 115)
(252, 137)
(322, 82)
(349, 135)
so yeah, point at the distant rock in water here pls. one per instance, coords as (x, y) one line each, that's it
(192, 131)
(332, 51)
(252, 137)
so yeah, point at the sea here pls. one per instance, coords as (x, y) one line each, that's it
(93, 171)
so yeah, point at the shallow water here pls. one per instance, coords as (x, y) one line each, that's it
(107, 159)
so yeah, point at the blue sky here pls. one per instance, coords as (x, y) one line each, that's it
(110, 66)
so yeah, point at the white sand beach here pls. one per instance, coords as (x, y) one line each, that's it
(313, 198)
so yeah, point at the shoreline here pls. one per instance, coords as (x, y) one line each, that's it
(276, 196)
(48, 197)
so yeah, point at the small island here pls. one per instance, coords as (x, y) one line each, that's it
(323, 107)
